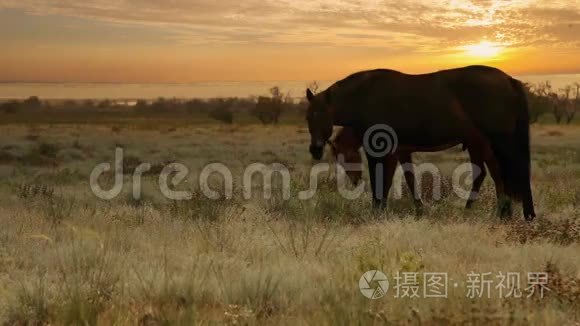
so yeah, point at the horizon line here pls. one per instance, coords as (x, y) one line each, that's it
(218, 80)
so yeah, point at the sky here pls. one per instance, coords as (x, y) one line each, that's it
(261, 40)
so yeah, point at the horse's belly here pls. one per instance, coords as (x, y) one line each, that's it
(426, 133)
(429, 141)
(424, 123)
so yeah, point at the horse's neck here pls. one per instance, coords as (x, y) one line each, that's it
(342, 115)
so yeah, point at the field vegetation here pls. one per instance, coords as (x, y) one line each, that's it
(67, 257)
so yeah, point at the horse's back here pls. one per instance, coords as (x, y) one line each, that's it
(390, 83)
(487, 95)
(431, 104)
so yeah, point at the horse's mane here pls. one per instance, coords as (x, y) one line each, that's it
(343, 88)
(363, 75)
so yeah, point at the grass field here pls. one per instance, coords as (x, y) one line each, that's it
(67, 257)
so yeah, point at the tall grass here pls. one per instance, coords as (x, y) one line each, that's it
(68, 258)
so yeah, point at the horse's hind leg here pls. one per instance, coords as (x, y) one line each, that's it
(406, 162)
(480, 151)
(477, 181)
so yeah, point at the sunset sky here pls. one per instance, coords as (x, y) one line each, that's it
(208, 40)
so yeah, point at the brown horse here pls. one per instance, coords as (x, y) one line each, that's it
(480, 107)
(346, 150)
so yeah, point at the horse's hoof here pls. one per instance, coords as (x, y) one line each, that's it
(420, 211)
(469, 204)
(506, 214)
(505, 209)
(380, 205)
(530, 218)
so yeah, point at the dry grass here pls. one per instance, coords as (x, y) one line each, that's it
(69, 258)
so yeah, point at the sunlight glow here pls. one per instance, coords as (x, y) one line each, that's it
(484, 49)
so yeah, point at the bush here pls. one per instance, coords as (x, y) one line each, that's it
(32, 102)
(9, 107)
(538, 106)
(141, 105)
(223, 115)
(222, 111)
(538, 103)
(269, 109)
(47, 149)
(196, 105)
(105, 104)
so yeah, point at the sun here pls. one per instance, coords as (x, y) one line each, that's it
(484, 49)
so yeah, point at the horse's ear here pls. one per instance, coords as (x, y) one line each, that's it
(309, 95)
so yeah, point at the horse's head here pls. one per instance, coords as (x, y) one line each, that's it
(320, 122)
(345, 148)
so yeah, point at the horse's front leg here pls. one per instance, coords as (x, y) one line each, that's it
(406, 161)
(477, 180)
(381, 172)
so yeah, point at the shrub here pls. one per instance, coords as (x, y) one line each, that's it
(6, 156)
(222, 111)
(32, 102)
(105, 104)
(269, 109)
(43, 154)
(196, 105)
(199, 208)
(9, 107)
(48, 150)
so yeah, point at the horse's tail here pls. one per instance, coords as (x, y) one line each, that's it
(522, 135)
(513, 153)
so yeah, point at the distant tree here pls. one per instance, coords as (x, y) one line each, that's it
(89, 104)
(161, 104)
(539, 104)
(32, 102)
(105, 104)
(196, 105)
(277, 103)
(314, 87)
(245, 103)
(263, 110)
(576, 101)
(288, 101)
(141, 106)
(70, 104)
(164, 105)
(269, 109)
(569, 105)
(557, 107)
(564, 108)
